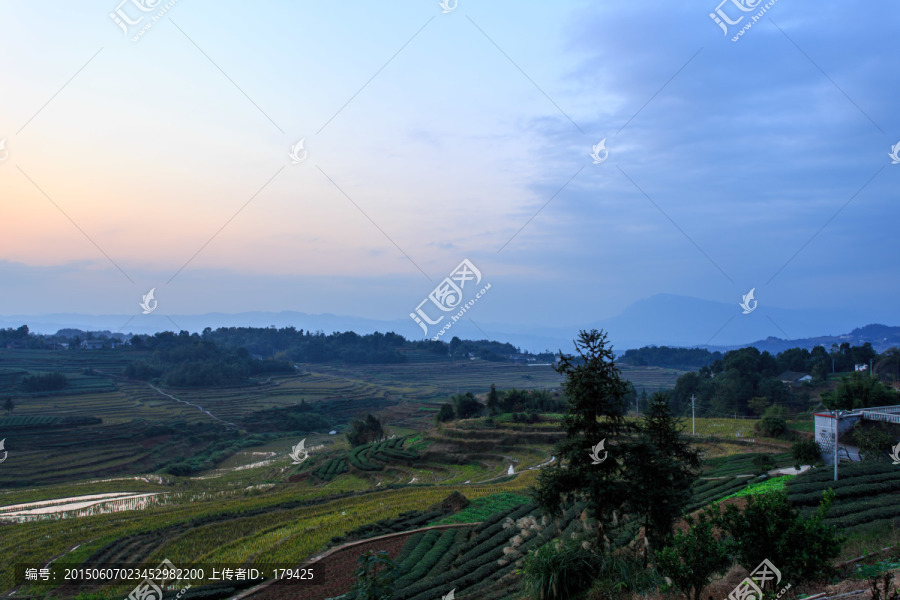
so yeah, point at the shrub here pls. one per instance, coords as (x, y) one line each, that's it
(47, 382)
(762, 462)
(365, 431)
(622, 576)
(874, 444)
(182, 469)
(444, 414)
(768, 527)
(805, 452)
(374, 576)
(693, 557)
(879, 577)
(559, 570)
(773, 423)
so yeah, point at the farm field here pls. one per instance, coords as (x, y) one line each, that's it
(258, 506)
(105, 394)
(864, 494)
(87, 480)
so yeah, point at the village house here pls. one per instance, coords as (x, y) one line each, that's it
(794, 377)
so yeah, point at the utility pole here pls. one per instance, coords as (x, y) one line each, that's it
(692, 414)
(837, 414)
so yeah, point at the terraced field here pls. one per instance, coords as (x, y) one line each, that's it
(866, 495)
(477, 561)
(726, 475)
(278, 526)
(257, 506)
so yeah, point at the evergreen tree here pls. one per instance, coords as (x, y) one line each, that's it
(465, 406)
(365, 431)
(661, 466)
(493, 401)
(445, 413)
(595, 394)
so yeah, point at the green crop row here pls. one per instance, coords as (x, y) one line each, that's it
(423, 545)
(850, 491)
(460, 534)
(387, 454)
(363, 457)
(711, 493)
(739, 464)
(811, 486)
(430, 558)
(408, 547)
(479, 571)
(850, 507)
(889, 511)
(489, 528)
(775, 484)
(491, 536)
(480, 568)
(482, 508)
(28, 421)
(849, 471)
(358, 459)
(332, 468)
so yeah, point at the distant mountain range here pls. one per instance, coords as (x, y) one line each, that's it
(881, 337)
(661, 320)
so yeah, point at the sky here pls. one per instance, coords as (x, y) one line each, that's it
(433, 134)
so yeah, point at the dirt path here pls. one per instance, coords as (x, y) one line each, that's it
(197, 406)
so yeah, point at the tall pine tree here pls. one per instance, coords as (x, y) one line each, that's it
(595, 395)
(661, 467)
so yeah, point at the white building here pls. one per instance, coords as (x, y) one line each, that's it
(825, 434)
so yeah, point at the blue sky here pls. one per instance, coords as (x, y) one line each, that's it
(434, 137)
